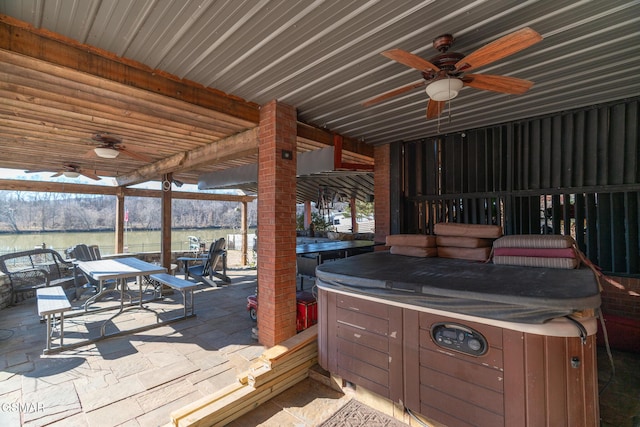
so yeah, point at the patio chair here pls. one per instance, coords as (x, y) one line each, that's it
(82, 252)
(207, 270)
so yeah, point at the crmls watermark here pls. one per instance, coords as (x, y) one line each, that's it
(22, 407)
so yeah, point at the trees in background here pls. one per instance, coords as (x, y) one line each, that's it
(33, 211)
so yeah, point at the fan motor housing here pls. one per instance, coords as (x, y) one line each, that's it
(447, 60)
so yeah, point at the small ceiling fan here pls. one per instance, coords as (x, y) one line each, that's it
(70, 171)
(445, 74)
(110, 146)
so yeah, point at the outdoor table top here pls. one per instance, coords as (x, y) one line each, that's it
(332, 245)
(119, 268)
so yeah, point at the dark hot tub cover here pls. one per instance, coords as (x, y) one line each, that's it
(501, 292)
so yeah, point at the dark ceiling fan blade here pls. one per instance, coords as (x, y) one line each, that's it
(498, 49)
(500, 84)
(38, 170)
(134, 154)
(56, 174)
(410, 60)
(89, 174)
(435, 108)
(392, 93)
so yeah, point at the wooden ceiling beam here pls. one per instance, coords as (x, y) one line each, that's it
(239, 145)
(17, 36)
(59, 187)
(312, 133)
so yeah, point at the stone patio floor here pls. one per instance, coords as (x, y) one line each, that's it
(139, 379)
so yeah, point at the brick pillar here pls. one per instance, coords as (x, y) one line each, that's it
(277, 224)
(382, 186)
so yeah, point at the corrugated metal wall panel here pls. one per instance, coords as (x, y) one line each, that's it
(573, 174)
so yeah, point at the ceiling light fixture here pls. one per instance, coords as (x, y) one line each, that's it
(444, 89)
(71, 174)
(106, 152)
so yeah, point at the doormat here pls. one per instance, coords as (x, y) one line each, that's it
(356, 414)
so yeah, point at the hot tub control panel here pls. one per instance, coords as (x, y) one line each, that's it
(459, 338)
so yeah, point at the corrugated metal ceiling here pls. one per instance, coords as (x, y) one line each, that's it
(323, 57)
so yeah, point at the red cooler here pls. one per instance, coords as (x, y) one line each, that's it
(307, 310)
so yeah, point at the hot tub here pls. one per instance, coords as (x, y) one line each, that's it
(463, 343)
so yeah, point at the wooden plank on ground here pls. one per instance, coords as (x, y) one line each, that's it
(280, 387)
(276, 352)
(263, 377)
(206, 400)
(242, 401)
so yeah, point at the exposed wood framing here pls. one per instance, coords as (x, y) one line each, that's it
(56, 49)
(56, 187)
(238, 145)
(56, 93)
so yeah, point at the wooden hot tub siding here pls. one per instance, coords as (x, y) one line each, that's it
(523, 379)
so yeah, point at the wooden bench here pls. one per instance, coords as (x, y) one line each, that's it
(183, 286)
(53, 301)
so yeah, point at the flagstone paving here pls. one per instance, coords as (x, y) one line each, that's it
(131, 380)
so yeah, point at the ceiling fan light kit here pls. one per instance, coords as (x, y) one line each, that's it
(444, 89)
(71, 174)
(106, 152)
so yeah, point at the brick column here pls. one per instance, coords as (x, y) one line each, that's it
(277, 224)
(382, 186)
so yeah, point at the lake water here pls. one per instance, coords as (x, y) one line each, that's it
(135, 241)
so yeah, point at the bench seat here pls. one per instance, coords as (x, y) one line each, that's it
(52, 301)
(185, 287)
(38, 268)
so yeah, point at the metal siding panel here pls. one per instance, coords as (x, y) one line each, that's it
(499, 160)
(578, 150)
(482, 160)
(605, 237)
(160, 35)
(471, 165)
(431, 158)
(590, 149)
(410, 177)
(617, 144)
(556, 150)
(566, 150)
(632, 224)
(566, 215)
(525, 155)
(618, 235)
(592, 229)
(580, 215)
(463, 162)
(448, 170)
(632, 144)
(459, 171)
(545, 153)
(603, 139)
(534, 155)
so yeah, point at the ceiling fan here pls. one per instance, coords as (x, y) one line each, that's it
(70, 171)
(445, 74)
(110, 146)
